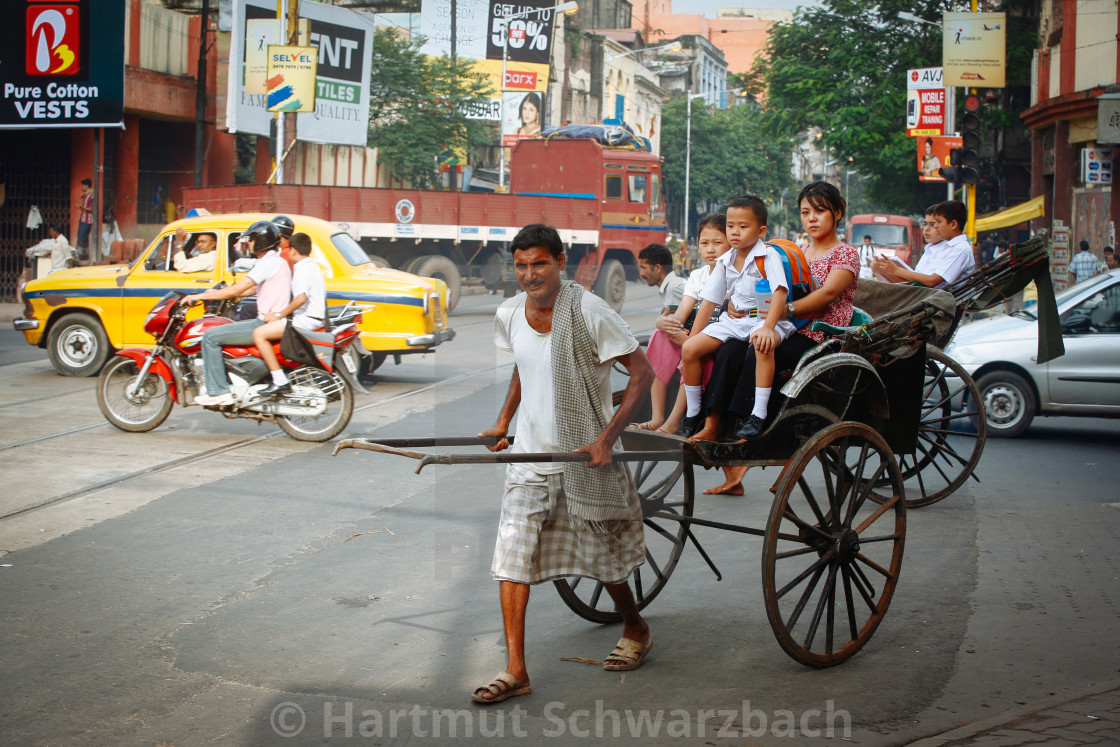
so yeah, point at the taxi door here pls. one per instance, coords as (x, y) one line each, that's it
(153, 276)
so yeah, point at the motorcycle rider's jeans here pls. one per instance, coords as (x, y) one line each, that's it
(213, 340)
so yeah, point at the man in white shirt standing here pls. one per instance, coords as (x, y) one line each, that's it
(563, 519)
(307, 310)
(655, 267)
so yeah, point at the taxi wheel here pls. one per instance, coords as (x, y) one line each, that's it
(78, 345)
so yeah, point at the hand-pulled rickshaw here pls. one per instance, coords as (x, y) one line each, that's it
(865, 418)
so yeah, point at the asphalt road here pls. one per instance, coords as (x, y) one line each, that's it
(271, 593)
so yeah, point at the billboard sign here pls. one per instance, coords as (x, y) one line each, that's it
(344, 40)
(925, 112)
(933, 153)
(521, 116)
(61, 64)
(974, 49)
(291, 79)
(480, 29)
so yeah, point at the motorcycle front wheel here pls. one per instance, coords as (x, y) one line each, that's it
(329, 423)
(141, 411)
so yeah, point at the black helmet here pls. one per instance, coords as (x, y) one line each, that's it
(286, 226)
(264, 235)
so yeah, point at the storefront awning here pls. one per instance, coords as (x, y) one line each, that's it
(1011, 216)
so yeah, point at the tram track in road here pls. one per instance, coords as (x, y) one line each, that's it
(208, 453)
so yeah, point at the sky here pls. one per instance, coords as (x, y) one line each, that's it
(709, 7)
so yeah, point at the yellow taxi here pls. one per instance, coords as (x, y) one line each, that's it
(82, 315)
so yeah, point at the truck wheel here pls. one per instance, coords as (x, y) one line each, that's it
(442, 268)
(380, 261)
(611, 283)
(78, 345)
(409, 265)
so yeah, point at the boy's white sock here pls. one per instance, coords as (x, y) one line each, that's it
(761, 400)
(693, 395)
(279, 378)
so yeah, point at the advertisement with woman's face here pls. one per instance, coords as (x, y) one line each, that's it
(933, 153)
(522, 113)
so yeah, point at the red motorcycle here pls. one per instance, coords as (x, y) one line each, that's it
(137, 388)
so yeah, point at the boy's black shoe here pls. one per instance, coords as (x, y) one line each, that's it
(691, 424)
(751, 428)
(275, 388)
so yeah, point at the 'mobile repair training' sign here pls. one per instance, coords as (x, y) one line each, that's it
(61, 64)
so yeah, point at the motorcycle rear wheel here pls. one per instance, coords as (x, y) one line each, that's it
(142, 412)
(328, 424)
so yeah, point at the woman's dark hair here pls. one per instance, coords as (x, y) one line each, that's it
(717, 221)
(824, 196)
(535, 99)
(55, 227)
(929, 142)
(538, 234)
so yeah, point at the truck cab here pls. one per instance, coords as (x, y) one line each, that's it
(897, 233)
(624, 204)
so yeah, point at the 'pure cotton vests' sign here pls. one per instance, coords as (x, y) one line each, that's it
(61, 64)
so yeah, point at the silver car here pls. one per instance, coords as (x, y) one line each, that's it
(1000, 354)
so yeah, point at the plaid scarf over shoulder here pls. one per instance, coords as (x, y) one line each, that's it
(594, 494)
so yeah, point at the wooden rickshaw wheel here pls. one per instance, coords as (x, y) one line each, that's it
(667, 502)
(831, 557)
(949, 443)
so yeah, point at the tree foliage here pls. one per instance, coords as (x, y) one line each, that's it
(417, 106)
(841, 67)
(733, 153)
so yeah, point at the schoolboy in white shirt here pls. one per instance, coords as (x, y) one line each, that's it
(942, 263)
(737, 271)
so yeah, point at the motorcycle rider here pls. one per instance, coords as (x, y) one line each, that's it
(307, 309)
(287, 227)
(271, 280)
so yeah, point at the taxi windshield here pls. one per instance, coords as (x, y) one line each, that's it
(350, 250)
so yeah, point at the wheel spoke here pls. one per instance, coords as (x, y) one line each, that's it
(860, 588)
(878, 538)
(816, 619)
(664, 533)
(595, 595)
(652, 564)
(799, 551)
(874, 566)
(853, 631)
(820, 563)
(877, 513)
(804, 600)
(864, 494)
(798, 521)
(807, 492)
(864, 579)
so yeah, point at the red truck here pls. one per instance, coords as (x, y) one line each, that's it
(606, 203)
(897, 233)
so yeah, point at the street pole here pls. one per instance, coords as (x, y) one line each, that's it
(200, 96)
(687, 167)
(502, 108)
(282, 19)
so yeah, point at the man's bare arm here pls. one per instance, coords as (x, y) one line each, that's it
(641, 376)
(505, 416)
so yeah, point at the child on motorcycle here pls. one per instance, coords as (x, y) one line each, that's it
(307, 310)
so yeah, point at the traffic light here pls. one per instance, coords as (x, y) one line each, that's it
(964, 162)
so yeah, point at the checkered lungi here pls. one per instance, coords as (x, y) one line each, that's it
(537, 543)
